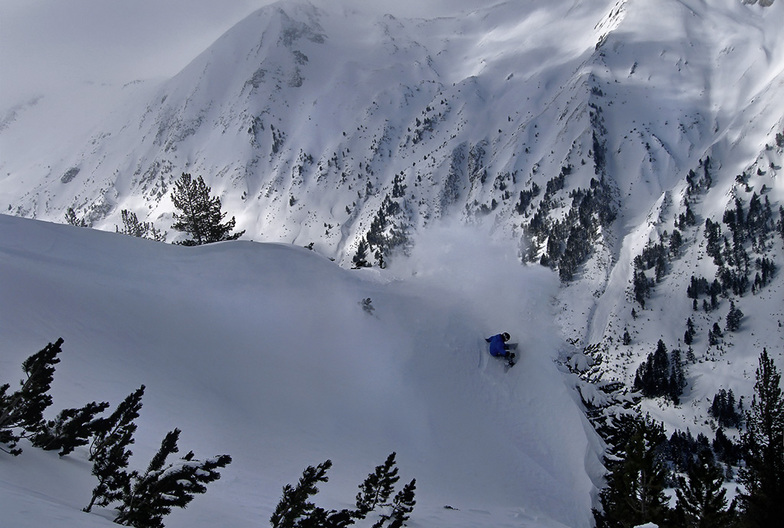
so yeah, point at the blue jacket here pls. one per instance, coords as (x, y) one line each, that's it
(497, 345)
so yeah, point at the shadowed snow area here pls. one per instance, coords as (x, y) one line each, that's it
(265, 352)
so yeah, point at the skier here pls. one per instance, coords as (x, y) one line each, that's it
(499, 347)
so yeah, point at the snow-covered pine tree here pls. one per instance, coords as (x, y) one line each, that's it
(109, 451)
(762, 501)
(702, 499)
(23, 410)
(199, 213)
(70, 429)
(152, 495)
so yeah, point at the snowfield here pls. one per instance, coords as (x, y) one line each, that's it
(264, 352)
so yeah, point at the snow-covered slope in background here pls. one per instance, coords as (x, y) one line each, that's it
(264, 352)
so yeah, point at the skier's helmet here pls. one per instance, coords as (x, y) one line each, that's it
(506, 336)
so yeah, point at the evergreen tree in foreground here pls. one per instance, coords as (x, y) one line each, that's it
(402, 505)
(199, 213)
(294, 506)
(636, 475)
(702, 500)
(119, 426)
(70, 429)
(378, 486)
(762, 502)
(24, 408)
(152, 495)
(295, 510)
(109, 451)
(112, 477)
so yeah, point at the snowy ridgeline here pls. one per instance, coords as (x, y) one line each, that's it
(268, 353)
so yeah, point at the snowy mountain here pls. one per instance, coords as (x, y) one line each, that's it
(634, 148)
(301, 116)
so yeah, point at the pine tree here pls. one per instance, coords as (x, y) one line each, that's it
(70, 429)
(676, 241)
(733, 318)
(715, 335)
(24, 408)
(378, 486)
(780, 224)
(702, 501)
(119, 425)
(71, 219)
(294, 505)
(109, 469)
(683, 447)
(295, 510)
(688, 336)
(653, 375)
(402, 506)
(199, 213)
(636, 475)
(133, 227)
(360, 258)
(152, 495)
(110, 451)
(724, 409)
(725, 449)
(762, 501)
(642, 287)
(677, 381)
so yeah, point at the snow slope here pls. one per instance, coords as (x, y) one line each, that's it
(263, 351)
